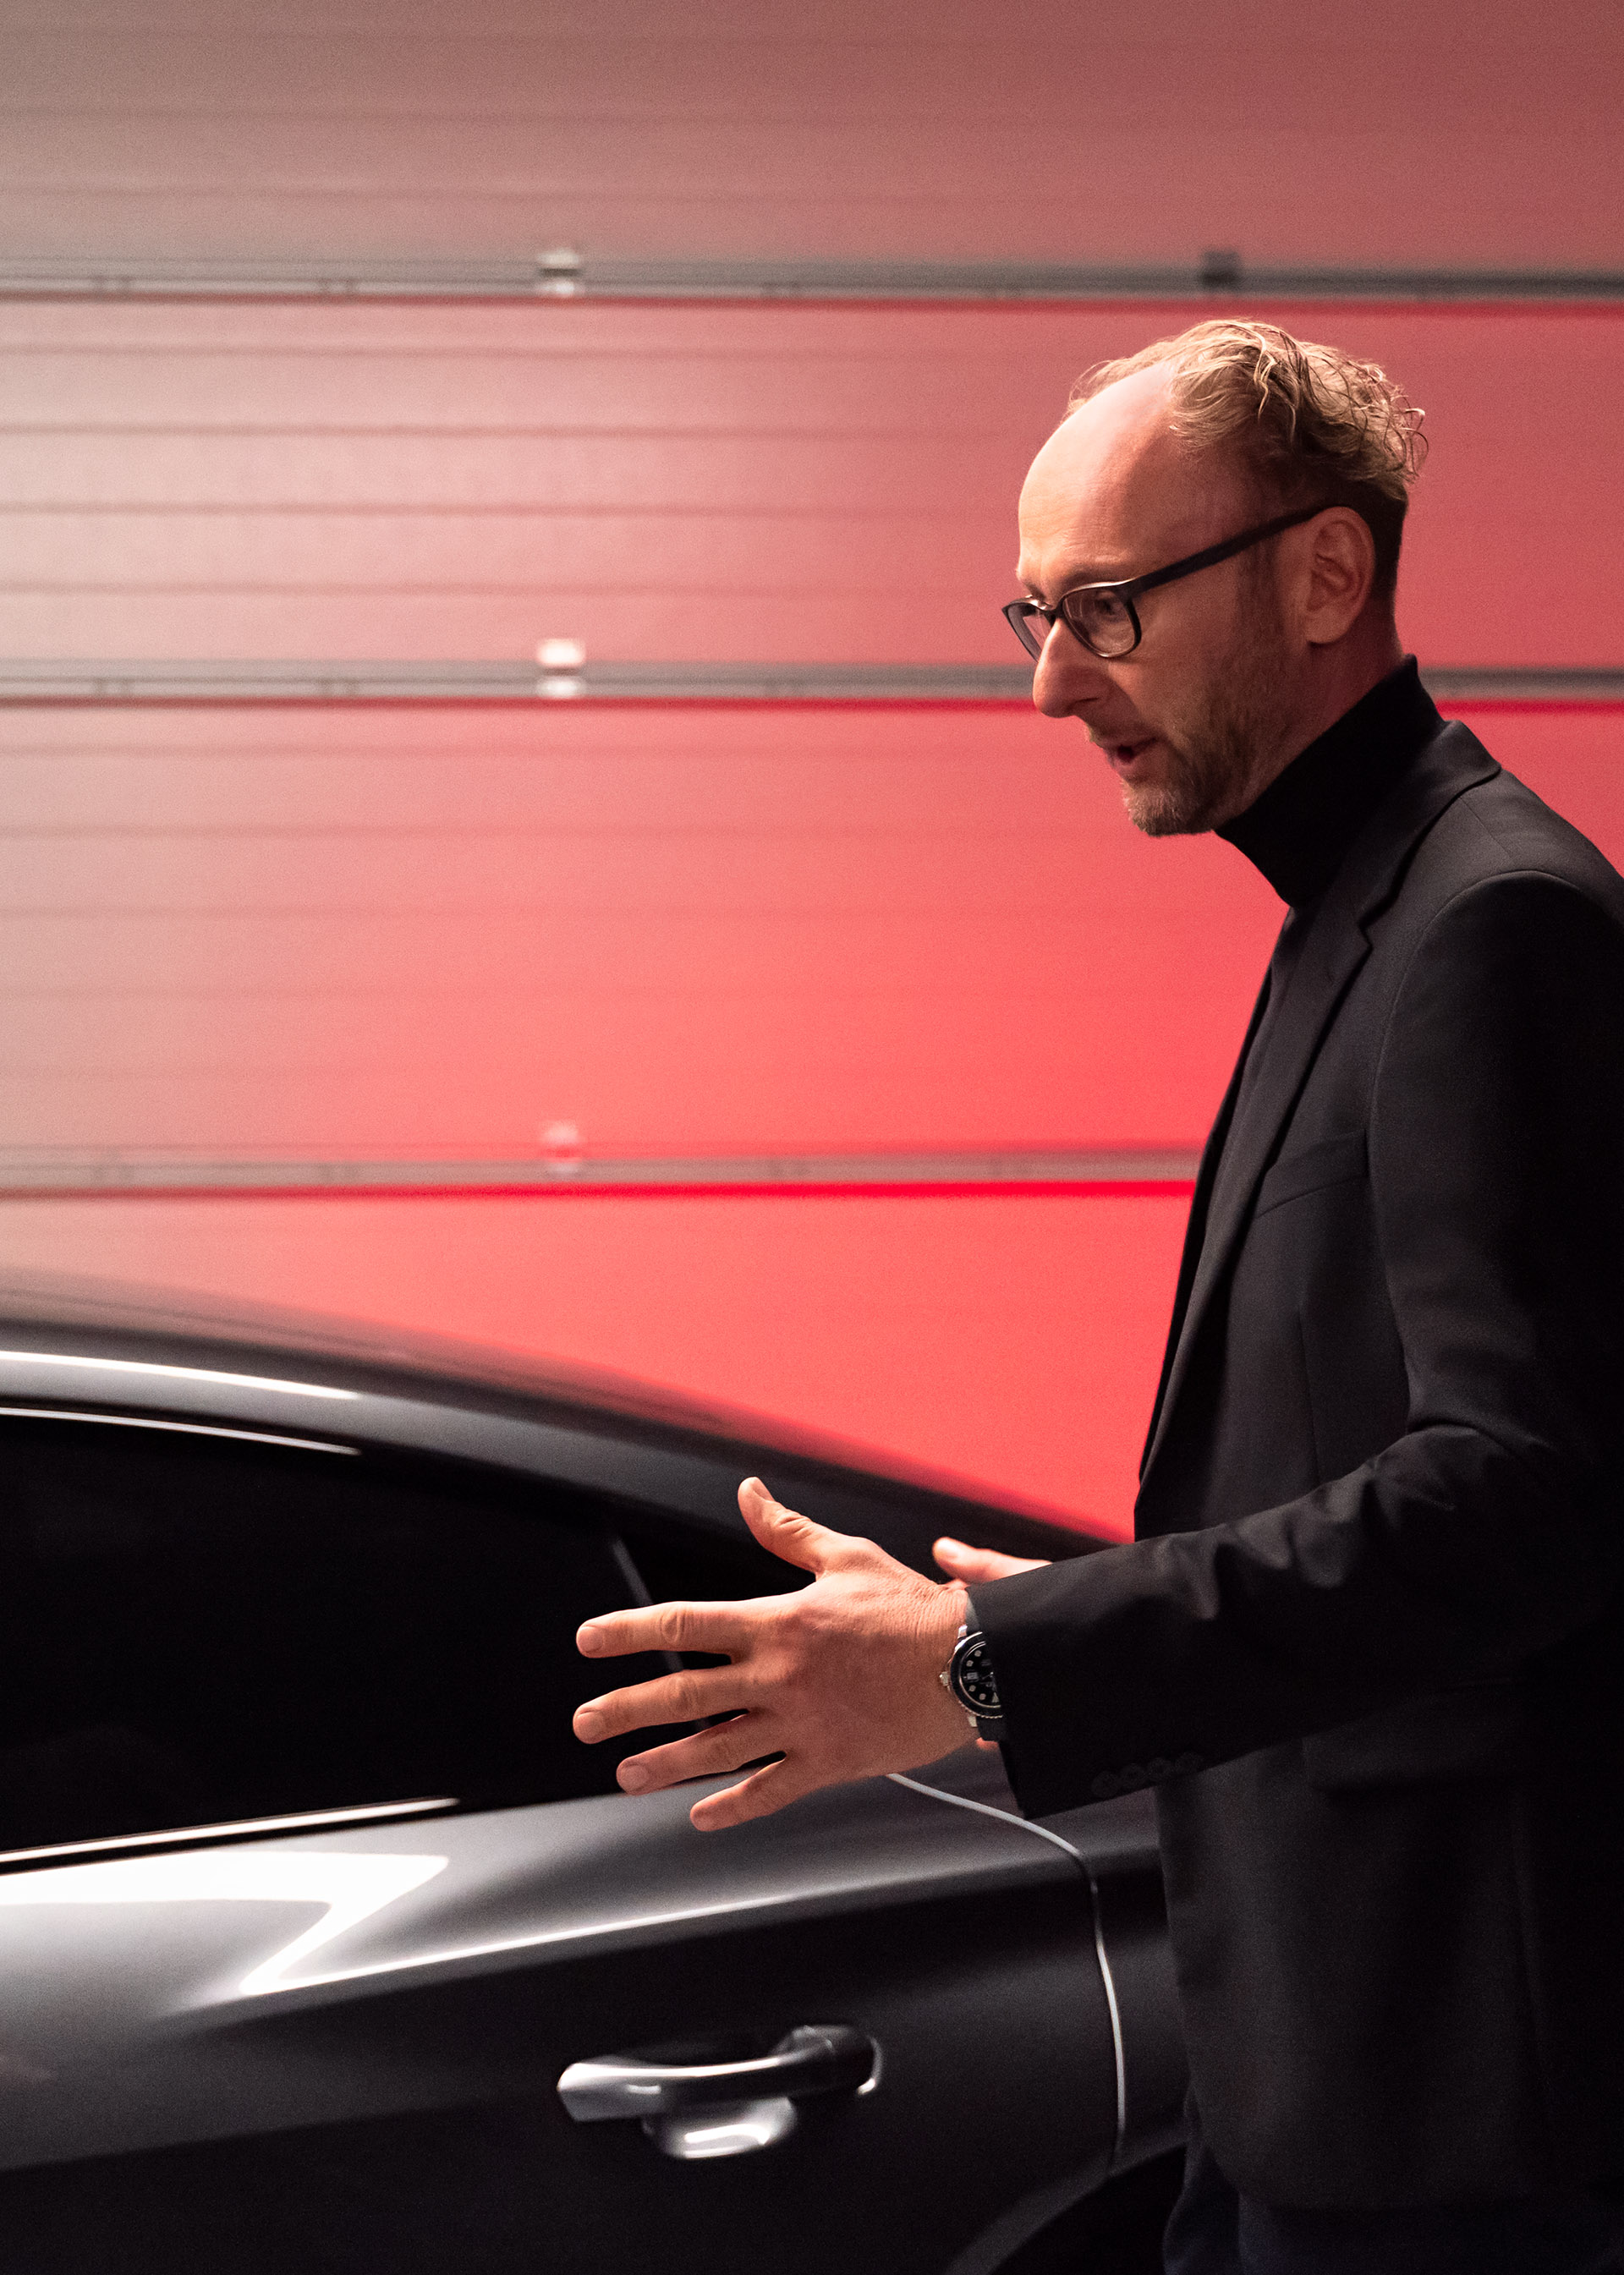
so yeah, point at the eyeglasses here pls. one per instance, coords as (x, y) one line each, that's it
(1104, 617)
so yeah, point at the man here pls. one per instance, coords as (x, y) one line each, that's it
(1367, 1641)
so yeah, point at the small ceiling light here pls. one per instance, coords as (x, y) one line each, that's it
(562, 1151)
(558, 271)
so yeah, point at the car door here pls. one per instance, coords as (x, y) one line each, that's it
(308, 1901)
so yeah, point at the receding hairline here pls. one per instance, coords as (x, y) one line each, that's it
(1185, 479)
(1297, 418)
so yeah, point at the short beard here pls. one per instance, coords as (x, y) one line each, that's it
(1198, 788)
(1211, 773)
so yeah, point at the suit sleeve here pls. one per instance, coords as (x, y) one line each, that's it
(1492, 1528)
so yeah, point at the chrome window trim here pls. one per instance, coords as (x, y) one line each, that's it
(181, 1429)
(165, 1372)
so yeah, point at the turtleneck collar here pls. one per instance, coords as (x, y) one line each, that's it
(1299, 832)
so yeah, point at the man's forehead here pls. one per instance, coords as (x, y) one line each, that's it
(1112, 480)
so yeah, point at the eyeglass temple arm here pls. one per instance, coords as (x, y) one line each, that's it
(1130, 587)
(1212, 554)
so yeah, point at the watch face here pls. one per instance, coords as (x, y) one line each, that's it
(973, 1678)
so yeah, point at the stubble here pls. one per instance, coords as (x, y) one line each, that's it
(1220, 763)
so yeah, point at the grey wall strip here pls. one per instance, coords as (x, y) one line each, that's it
(72, 681)
(563, 272)
(59, 1175)
(1478, 685)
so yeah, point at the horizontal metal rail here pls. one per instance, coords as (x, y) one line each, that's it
(70, 680)
(562, 272)
(127, 1173)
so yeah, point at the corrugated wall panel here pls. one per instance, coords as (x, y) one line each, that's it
(683, 929)
(1484, 136)
(729, 482)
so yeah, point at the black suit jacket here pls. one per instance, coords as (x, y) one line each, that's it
(1367, 1642)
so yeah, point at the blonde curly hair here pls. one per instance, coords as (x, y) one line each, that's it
(1306, 420)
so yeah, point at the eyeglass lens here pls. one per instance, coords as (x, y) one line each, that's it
(1028, 627)
(1102, 621)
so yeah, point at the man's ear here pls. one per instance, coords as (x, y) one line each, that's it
(1339, 574)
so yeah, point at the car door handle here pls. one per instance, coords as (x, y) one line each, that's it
(817, 2058)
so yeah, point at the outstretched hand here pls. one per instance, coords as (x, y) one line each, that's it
(840, 1678)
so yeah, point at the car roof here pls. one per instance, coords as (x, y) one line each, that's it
(177, 1349)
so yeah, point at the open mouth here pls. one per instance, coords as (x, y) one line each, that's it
(1123, 754)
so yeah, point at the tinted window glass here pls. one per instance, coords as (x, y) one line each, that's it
(194, 1630)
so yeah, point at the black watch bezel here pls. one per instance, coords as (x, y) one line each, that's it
(971, 1665)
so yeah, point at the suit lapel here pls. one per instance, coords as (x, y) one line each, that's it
(1337, 944)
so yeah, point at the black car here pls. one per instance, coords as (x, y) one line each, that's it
(324, 1945)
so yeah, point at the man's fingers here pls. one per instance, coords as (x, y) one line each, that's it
(721, 1629)
(967, 1563)
(708, 1753)
(786, 1533)
(758, 1796)
(685, 1698)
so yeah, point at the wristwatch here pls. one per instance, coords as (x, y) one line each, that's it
(968, 1676)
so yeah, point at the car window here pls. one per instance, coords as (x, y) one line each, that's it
(201, 1629)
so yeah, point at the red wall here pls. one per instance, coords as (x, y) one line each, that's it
(684, 929)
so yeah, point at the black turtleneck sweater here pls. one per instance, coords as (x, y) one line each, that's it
(1299, 832)
(1301, 829)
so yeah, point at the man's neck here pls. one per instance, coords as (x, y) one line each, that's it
(1301, 829)
(1332, 681)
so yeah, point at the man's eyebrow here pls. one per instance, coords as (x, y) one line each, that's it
(1070, 583)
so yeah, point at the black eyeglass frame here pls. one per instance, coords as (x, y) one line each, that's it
(1128, 589)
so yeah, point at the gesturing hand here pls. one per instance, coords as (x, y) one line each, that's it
(840, 1678)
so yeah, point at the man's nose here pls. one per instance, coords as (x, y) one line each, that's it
(1067, 675)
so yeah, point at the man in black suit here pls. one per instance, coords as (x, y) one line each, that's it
(1367, 1641)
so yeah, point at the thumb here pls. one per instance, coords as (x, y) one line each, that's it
(794, 1538)
(967, 1563)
